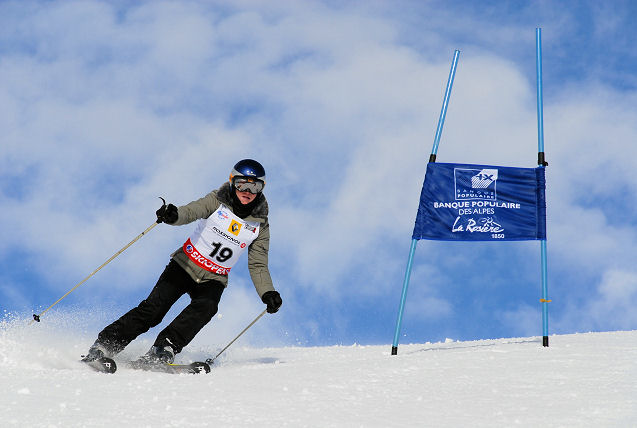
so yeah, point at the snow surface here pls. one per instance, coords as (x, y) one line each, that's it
(581, 380)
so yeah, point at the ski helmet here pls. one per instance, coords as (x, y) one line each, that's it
(248, 175)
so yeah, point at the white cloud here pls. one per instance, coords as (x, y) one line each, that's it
(609, 305)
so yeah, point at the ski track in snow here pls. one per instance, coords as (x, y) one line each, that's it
(581, 380)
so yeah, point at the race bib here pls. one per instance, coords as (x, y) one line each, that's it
(219, 240)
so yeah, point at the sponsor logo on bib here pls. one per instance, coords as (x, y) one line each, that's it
(222, 215)
(235, 227)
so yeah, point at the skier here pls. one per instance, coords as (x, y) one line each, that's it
(231, 219)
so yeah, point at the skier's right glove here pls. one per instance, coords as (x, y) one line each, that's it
(273, 300)
(167, 214)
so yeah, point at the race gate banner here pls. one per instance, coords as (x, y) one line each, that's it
(463, 202)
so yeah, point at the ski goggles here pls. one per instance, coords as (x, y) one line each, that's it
(246, 184)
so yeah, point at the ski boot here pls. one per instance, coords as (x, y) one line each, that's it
(98, 358)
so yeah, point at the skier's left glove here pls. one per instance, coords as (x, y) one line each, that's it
(273, 300)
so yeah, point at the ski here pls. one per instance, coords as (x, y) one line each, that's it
(192, 368)
(103, 365)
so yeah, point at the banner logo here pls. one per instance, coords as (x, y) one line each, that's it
(475, 184)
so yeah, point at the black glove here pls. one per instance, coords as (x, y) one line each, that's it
(167, 214)
(273, 300)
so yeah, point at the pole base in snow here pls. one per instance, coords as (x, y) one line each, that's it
(394, 350)
(545, 341)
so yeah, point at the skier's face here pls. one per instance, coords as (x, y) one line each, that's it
(245, 197)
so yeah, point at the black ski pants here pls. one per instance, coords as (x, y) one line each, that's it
(173, 283)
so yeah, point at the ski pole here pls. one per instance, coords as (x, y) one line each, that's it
(37, 317)
(211, 360)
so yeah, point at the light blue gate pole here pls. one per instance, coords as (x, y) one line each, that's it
(432, 158)
(542, 163)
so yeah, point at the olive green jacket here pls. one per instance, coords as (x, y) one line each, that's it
(257, 251)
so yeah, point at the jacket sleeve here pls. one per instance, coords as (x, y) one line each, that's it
(258, 261)
(201, 208)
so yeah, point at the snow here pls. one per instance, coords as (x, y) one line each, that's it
(583, 380)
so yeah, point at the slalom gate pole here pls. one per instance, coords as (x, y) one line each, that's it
(403, 297)
(542, 164)
(432, 158)
(37, 317)
(211, 360)
(445, 104)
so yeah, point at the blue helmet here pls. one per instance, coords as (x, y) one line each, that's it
(248, 174)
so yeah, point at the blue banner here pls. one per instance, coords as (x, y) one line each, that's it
(463, 202)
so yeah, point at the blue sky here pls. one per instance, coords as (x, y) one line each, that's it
(105, 106)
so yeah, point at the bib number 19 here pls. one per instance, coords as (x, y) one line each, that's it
(220, 253)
